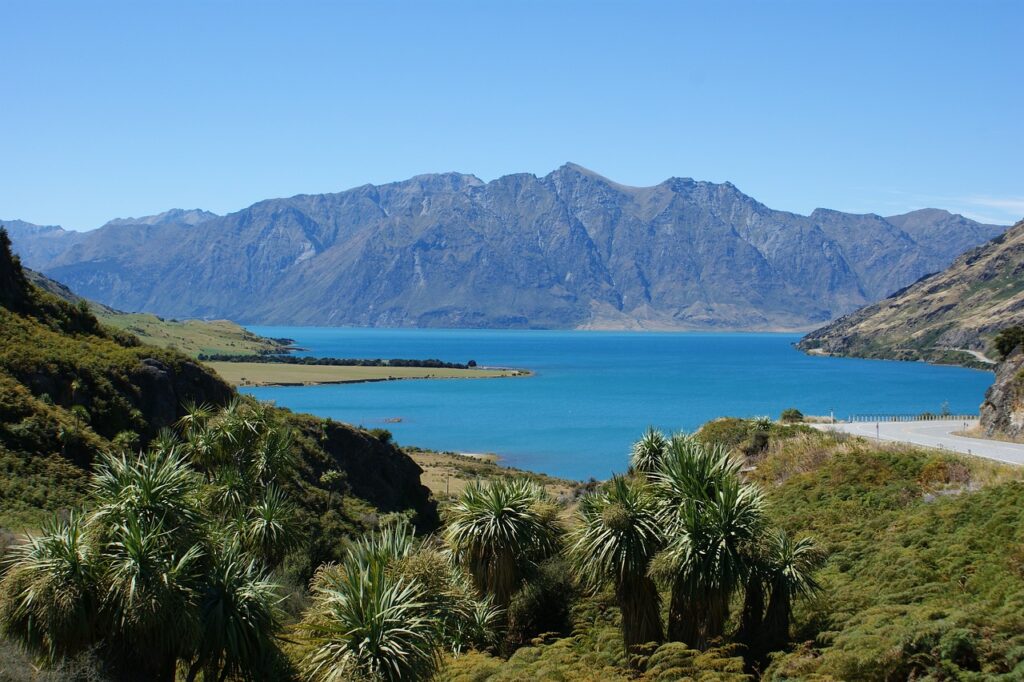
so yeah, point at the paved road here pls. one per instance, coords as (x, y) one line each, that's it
(937, 434)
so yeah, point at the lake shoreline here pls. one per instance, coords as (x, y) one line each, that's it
(593, 393)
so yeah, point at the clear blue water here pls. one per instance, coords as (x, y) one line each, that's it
(594, 392)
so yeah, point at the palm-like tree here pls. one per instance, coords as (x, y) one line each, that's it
(167, 569)
(692, 469)
(195, 419)
(156, 489)
(152, 597)
(791, 565)
(367, 624)
(48, 594)
(271, 526)
(238, 616)
(710, 516)
(648, 452)
(387, 546)
(273, 456)
(499, 531)
(618, 537)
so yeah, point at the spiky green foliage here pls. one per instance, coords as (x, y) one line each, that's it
(368, 624)
(157, 577)
(390, 609)
(709, 515)
(384, 547)
(156, 489)
(270, 526)
(692, 469)
(151, 596)
(648, 452)
(464, 621)
(47, 595)
(238, 616)
(499, 530)
(617, 538)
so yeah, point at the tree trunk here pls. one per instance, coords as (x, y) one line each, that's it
(751, 630)
(682, 623)
(504, 577)
(715, 614)
(641, 613)
(777, 619)
(752, 617)
(695, 620)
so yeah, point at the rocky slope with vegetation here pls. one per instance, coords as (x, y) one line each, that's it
(71, 388)
(570, 249)
(951, 316)
(1002, 411)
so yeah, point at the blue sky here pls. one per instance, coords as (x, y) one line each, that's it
(127, 109)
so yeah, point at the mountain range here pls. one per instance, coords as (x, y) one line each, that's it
(962, 307)
(571, 249)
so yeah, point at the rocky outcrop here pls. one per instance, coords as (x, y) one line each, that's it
(1002, 412)
(374, 468)
(163, 389)
(570, 249)
(940, 316)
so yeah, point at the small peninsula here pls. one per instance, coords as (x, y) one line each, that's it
(282, 374)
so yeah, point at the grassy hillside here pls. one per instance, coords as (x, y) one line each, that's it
(951, 316)
(191, 337)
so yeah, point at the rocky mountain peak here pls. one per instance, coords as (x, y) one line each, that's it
(180, 216)
(570, 249)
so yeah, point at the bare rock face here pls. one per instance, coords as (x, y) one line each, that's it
(1002, 413)
(569, 249)
(163, 390)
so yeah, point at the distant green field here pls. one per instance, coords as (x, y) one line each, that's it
(190, 336)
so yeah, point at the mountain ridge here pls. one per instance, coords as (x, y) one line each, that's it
(569, 249)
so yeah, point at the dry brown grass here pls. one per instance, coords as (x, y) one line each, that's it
(447, 474)
(806, 453)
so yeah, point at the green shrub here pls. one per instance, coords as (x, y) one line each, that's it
(1007, 340)
(792, 415)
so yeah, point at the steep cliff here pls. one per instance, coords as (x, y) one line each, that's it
(1002, 412)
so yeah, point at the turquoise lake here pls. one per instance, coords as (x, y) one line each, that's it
(593, 393)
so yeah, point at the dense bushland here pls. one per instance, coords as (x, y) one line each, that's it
(923, 577)
(915, 572)
(167, 569)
